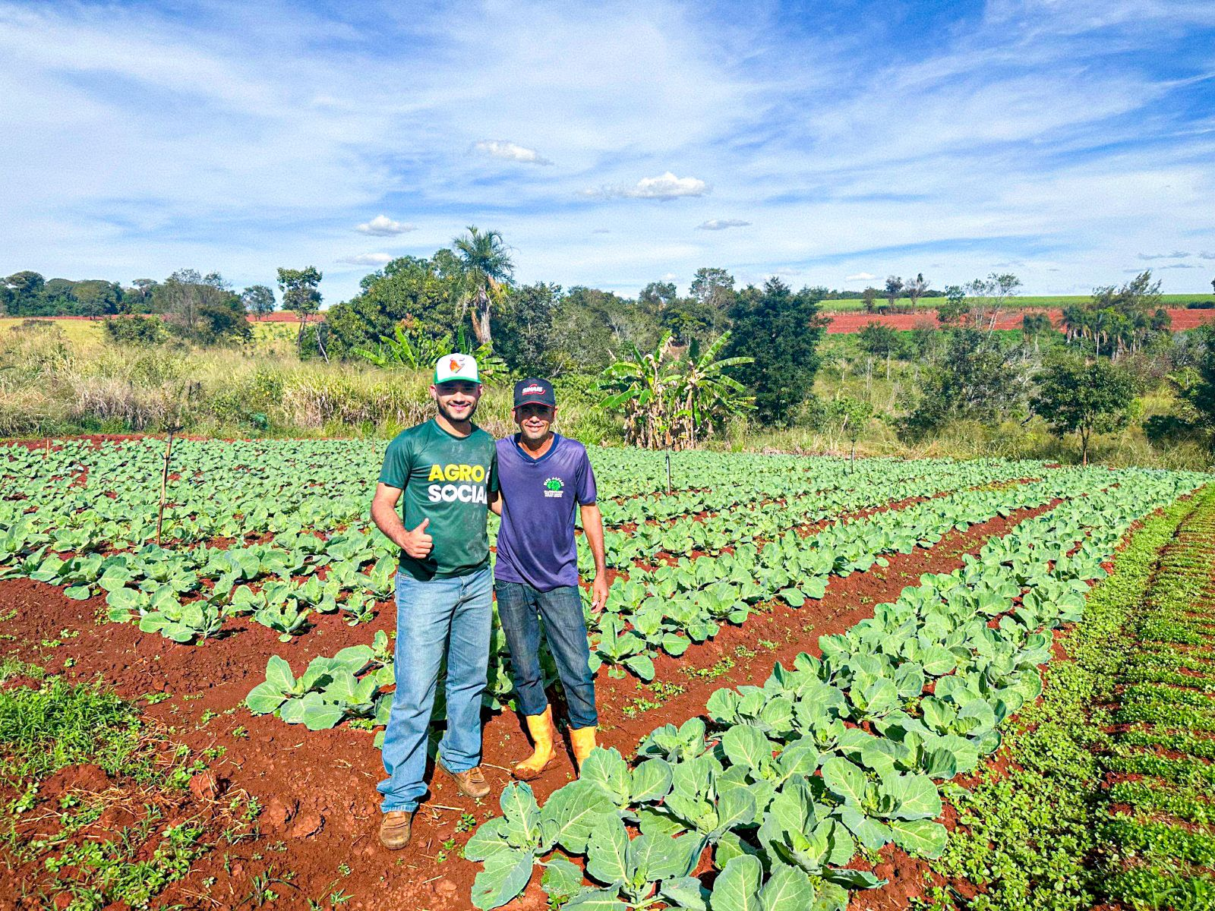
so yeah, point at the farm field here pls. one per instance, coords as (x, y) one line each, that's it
(1036, 301)
(802, 665)
(82, 331)
(849, 321)
(842, 318)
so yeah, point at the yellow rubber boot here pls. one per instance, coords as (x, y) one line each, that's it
(583, 741)
(541, 728)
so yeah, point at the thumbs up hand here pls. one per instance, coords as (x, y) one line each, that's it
(418, 543)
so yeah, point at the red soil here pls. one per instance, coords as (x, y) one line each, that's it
(208, 803)
(318, 788)
(838, 321)
(852, 321)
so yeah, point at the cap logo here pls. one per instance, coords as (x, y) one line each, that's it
(533, 389)
(453, 364)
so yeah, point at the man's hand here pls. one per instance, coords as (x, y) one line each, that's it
(417, 543)
(599, 594)
(592, 524)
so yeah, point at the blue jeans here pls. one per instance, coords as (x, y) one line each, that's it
(521, 608)
(442, 617)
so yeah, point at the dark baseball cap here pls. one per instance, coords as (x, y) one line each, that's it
(534, 391)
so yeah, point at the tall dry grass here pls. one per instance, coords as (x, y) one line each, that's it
(49, 386)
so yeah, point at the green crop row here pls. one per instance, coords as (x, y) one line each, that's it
(671, 607)
(787, 782)
(1158, 835)
(75, 497)
(873, 483)
(1030, 834)
(81, 517)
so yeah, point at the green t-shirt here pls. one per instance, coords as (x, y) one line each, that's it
(446, 479)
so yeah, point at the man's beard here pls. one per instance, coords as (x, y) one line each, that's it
(447, 414)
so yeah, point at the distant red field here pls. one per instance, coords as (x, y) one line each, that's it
(850, 321)
(843, 323)
(278, 316)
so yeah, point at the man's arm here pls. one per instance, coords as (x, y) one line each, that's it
(416, 543)
(592, 524)
(495, 503)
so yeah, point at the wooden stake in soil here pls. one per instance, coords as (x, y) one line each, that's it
(164, 486)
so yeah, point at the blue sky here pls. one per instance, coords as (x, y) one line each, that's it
(1068, 141)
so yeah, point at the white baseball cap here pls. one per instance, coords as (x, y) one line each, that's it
(452, 367)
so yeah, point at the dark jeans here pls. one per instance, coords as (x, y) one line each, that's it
(521, 608)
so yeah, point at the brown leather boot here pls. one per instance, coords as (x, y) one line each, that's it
(396, 828)
(471, 783)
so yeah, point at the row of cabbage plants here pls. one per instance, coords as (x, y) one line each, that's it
(787, 791)
(671, 607)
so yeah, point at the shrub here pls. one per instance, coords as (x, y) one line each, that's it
(136, 330)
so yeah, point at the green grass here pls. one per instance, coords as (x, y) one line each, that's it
(43, 730)
(57, 725)
(1158, 833)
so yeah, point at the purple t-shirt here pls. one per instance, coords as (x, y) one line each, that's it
(536, 541)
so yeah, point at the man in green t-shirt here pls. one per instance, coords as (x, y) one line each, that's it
(447, 470)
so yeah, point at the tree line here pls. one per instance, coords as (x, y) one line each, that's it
(202, 308)
(676, 367)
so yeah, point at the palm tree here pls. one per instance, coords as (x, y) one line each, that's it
(705, 390)
(487, 270)
(1074, 322)
(915, 289)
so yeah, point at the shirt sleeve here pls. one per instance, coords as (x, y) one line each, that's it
(587, 493)
(492, 483)
(398, 462)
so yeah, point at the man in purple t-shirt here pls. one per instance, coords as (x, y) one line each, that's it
(542, 476)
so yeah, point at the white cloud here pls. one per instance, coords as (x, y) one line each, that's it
(496, 148)
(664, 186)
(264, 160)
(383, 226)
(366, 259)
(720, 224)
(1206, 255)
(861, 277)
